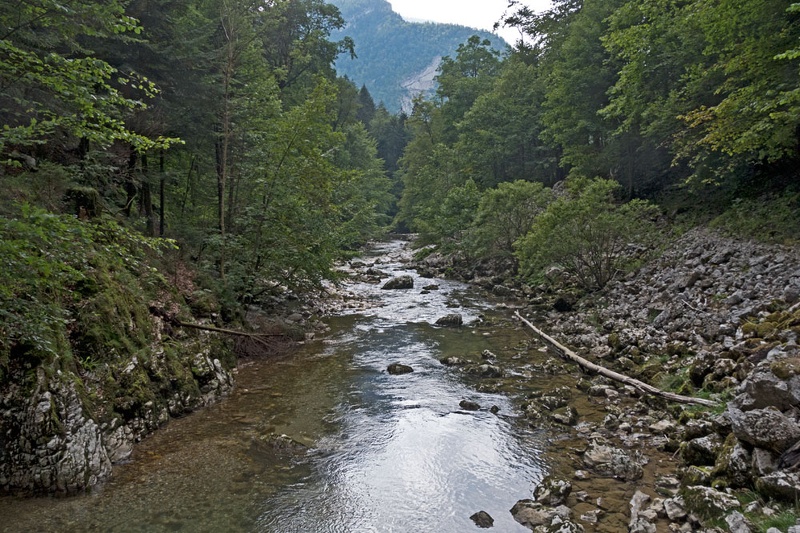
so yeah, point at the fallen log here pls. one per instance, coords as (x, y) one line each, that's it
(639, 385)
(228, 331)
(249, 343)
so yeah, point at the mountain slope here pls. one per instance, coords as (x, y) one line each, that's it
(397, 59)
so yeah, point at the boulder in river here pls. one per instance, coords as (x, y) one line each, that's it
(552, 491)
(533, 514)
(614, 462)
(469, 405)
(453, 319)
(482, 519)
(452, 361)
(400, 282)
(398, 368)
(485, 371)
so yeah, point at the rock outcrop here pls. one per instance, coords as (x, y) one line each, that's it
(62, 433)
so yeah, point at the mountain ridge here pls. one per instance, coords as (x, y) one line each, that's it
(395, 57)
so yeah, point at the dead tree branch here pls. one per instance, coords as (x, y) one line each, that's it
(639, 385)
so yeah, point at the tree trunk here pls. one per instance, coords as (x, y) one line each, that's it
(222, 148)
(188, 188)
(639, 385)
(130, 183)
(147, 199)
(162, 179)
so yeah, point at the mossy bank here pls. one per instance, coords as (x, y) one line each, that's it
(91, 360)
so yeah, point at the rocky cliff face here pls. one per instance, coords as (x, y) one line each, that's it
(63, 429)
(422, 82)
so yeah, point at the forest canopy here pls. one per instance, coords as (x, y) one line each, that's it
(225, 127)
(687, 103)
(221, 125)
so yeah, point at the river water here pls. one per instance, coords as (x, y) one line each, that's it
(327, 441)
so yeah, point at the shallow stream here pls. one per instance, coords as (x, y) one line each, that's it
(327, 441)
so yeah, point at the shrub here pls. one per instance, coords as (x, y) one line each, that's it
(454, 215)
(504, 215)
(587, 234)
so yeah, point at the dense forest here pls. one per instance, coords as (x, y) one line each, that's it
(391, 51)
(222, 129)
(692, 107)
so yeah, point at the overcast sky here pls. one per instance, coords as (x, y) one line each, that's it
(480, 14)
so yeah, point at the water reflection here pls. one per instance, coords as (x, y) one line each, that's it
(406, 457)
(385, 453)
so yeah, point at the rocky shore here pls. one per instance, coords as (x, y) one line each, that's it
(62, 431)
(711, 317)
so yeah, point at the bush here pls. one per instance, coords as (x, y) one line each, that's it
(454, 215)
(587, 234)
(504, 215)
(56, 269)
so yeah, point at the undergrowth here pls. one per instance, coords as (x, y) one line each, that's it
(771, 218)
(61, 279)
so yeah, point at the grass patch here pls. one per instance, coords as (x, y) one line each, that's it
(771, 218)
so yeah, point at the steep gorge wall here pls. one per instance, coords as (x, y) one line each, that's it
(62, 430)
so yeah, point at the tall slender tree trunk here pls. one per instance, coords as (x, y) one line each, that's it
(130, 183)
(188, 188)
(223, 143)
(161, 203)
(147, 199)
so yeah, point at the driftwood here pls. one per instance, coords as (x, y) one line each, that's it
(228, 331)
(640, 385)
(247, 343)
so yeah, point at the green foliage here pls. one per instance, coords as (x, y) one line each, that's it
(362, 195)
(429, 171)
(51, 269)
(50, 83)
(587, 234)
(464, 78)
(769, 218)
(499, 136)
(755, 112)
(580, 76)
(504, 215)
(455, 214)
(391, 136)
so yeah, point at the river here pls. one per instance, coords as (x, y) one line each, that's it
(325, 440)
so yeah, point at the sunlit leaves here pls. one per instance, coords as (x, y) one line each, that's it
(45, 90)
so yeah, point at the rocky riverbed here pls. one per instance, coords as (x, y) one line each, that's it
(712, 317)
